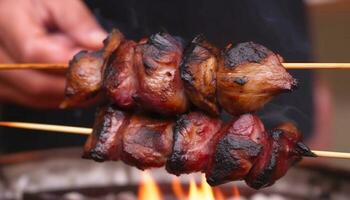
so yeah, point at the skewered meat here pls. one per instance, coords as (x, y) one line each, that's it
(239, 150)
(242, 142)
(147, 142)
(282, 150)
(195, 137)
(105, 140)
(120, 79)
(157, 61)
(198, 71)
(147, 76)
(84, 77)
(249, 77)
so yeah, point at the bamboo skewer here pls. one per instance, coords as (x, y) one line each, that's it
(58, 66)
(88, 131)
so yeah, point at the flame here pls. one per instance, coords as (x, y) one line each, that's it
(218, 194)
(148, 189)
(177, 188)
(235, 193)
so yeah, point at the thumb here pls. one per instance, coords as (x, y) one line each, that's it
(74, 19)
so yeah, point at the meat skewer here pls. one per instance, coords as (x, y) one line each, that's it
(87, 131)
(161, 75)
(237, 150)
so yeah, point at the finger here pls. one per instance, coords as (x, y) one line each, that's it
(35, 84)
(74, 18)
(4, 56)
(14, 35)
(11, 95)
(54, 48)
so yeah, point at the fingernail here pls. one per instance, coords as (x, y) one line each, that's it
(97, 36)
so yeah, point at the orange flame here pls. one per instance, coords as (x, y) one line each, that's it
(149, 190)
(235, 193)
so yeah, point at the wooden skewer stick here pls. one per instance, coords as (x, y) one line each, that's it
(48, 66)
(88, 131)
(48, 127)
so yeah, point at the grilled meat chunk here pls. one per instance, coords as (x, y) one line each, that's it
(283, 148)
(85, 72)
(157, 61)
(198, 71)
(239, 146)
(120, 80)
(105, 141)
(195, 137)
(249, 77)
(147, 142)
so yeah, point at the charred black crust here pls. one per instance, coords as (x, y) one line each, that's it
(163, 40)
(224, 163)
(302, 150)
(198, 41)
(264, 178)
(245, 53)
(175, 163)
(102, 131)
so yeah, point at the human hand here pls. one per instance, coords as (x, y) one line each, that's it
(42, 31)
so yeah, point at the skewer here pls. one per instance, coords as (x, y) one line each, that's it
(49, 66)
(88, 131)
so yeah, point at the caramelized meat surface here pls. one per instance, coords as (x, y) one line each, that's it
(198, 71)
(249, 77)
(240, 144)
(105, 141)
(147, 142)
(120, 80)
(85, 71)
(157, 61)
(282, 149)
(195, 137)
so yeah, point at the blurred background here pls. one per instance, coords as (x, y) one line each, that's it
(330, 35)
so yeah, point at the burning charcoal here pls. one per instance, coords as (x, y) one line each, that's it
(249, 77)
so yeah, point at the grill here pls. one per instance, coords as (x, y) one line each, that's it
(61, 174)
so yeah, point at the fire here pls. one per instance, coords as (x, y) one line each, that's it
(149, 190)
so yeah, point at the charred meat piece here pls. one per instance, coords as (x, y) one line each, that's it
(282, 150)
(249, 77)
(147, 142)
(157, 61)
(240, 144)
(85, 71)
(195, 137)
(120, 79)
(105, 141)
(198, 71)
